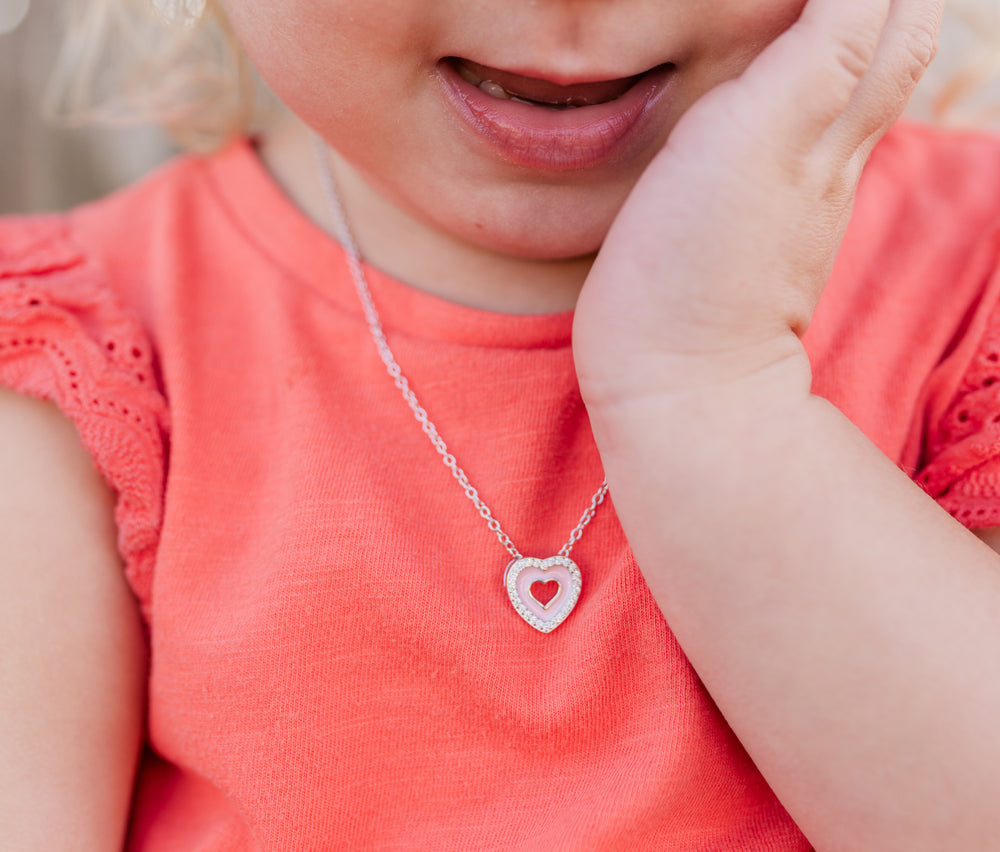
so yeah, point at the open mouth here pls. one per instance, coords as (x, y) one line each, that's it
(554, 126)
(505, 85)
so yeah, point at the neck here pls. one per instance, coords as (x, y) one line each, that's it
(410, 250)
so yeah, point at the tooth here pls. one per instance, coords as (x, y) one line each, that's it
(468, 74)
(494, 89)
(518, 100)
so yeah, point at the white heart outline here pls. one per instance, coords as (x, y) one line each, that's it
(570, 581)
(554, 598)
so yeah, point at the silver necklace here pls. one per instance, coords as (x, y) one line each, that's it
(523, 573)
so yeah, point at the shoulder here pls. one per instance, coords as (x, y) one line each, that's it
(157, 213)
(116, 267)
(944, 148)
(927, 215)
(944, 177)
(82, 245)
(59, 309)
(915, 287)
(70, 336)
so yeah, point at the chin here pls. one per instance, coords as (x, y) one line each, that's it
(556, 247)
(560, 235)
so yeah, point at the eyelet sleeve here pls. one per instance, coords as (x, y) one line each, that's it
(65, 337)
(961, 468)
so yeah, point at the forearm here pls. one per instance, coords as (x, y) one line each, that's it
(847, 627)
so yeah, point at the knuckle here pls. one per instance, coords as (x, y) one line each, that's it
(848, 60)
(846, 55)
(853, 55)
(921, 44)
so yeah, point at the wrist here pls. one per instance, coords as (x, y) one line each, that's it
(667, 397)
(748, 463)
(679, 370)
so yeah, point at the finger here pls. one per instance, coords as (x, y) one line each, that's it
(907, 46)
(810, 74)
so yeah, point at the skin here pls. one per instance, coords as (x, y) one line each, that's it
(845, 625)
(777, 106)
(72, 659)
(839, 591)
(441, 210)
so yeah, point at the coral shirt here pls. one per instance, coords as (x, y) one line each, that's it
(335, 663)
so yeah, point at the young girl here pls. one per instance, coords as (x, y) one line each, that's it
(351, 646)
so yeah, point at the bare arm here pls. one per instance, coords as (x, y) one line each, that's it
(847, 627)
(72, 650)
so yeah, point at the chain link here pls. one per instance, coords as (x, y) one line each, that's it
(402, 383)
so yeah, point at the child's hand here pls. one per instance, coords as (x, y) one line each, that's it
(816, 590)
(718, 258)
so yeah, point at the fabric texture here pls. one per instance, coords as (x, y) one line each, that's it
(335, 664)
(64, 337)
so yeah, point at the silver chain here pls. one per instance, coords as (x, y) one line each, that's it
(401, 382)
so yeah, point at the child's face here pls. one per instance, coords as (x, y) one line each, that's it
(379, 80)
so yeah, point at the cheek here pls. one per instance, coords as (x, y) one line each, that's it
(348, 68)
(304, 48)
(268, 33)
(372, 28)
(751, 25)
(741, 30)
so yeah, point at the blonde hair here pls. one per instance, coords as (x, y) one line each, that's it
(145, 62)
(124, 62)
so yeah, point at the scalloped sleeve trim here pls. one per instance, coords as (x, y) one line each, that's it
(962, 449)
(65, 338)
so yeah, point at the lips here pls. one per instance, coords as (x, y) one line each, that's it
(533, 90)
(560, 126)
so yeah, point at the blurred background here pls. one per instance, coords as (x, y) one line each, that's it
(47, 167)
(42, 166)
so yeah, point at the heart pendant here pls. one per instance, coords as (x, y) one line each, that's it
(523, 573)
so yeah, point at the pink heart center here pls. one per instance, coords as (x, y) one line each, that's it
(544, 591)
